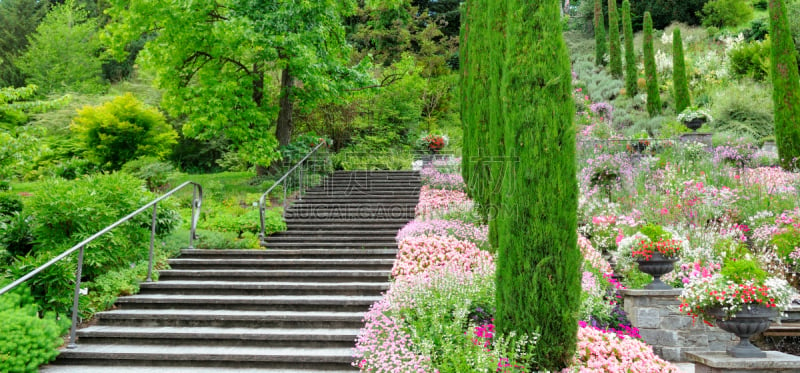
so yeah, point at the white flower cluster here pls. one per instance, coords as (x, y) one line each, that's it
(666, 38)
(663, 63)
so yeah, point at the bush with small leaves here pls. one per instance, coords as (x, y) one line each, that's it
(123, 129)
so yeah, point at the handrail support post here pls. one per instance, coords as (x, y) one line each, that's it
(75, 300)
(152, 244)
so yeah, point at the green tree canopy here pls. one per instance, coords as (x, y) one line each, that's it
(122, 130)
(19, 19)
(237, 67)
(63, 52)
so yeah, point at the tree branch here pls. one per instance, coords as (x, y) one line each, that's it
(385, 82)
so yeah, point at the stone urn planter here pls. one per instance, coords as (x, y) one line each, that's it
(751, 320)
(695, 123)
(657, 266)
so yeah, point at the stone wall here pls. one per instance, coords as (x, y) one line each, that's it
(657, 315)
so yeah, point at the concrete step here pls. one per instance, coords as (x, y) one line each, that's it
(333, 217)
(353, 205)
(273, 275)
(336, 233)
(211, 336)
(344, 199)
(209, 356)
(230, 318)
(784, 329)
(163, 369)
(316, 264)
(293, 253)
(327, 245)
(342, 303)
(294, 237)
(404, 194)
(262, 288)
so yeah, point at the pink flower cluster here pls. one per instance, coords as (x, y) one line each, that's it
(434, 178)
(698, 269)
(417, 254)
(601, 352)
(438, 227)
(439, 200)
(593, 256)
(771, 180)
(383, 346)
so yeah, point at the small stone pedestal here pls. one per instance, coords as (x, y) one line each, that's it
(720, 362)
(701, 137)
(656, 313)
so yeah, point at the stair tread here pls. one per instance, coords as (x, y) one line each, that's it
(287, 261)
(261, 285)
(247, 299)
(278, 251)
(118, 351)
(240, 314)
(206, 331)
(168, 369)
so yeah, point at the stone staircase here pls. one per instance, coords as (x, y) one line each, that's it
(296, 306)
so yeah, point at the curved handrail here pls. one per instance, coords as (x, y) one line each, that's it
(197, 200)
(262, 201)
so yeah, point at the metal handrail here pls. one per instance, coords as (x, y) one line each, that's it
(197, 200)
(262, 206)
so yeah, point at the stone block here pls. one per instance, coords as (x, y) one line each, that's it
(720, 362)
(676, 322)
(671, 354)
(693, 339)
(658, 337)
(647, 318)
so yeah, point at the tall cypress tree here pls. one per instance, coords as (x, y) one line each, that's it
(600, 47)
(475, 82)
(680, 85)
(653, 99)
(615, 63)
(465, 88)
(496, 127)
(785, 86)
(630, 54)
(538, 265)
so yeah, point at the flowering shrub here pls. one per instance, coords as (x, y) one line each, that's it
(645, 250)
(452, 228)
(432, 143)
(703, 294)
(431, 176)
(439, 201)
(419, 253)
(599, 351)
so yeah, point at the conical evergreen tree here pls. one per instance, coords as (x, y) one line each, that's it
(653, 99)
(538, 265)
(630, 54)
(615, 63)
(497, 41)
(600, 46)
(680, 85)
(465, 90)
(475, 113)
(785, 87)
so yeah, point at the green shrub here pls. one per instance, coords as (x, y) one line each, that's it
(27, 340)
(786, 86)
(71, 211)
(743, 109)
(786, 243)
(655, 232)
(758, 30)
(123, 129)
(665, 12)
(155, 173)
(600, 42)
(760, 4)
(680, 84)
(238, 220)
(106, 288)
(740, 270)
(651, 75)
(751, 60)
(16, 235)
(9, 204)
(726, 13)
(5, 185)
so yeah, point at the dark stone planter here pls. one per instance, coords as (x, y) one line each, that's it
(744, 324)
(694, 124)
(657, 266)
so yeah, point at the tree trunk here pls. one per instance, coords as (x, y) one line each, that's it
(283, 130)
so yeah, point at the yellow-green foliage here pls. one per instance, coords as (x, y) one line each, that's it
(123, 129)
(26, 340)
